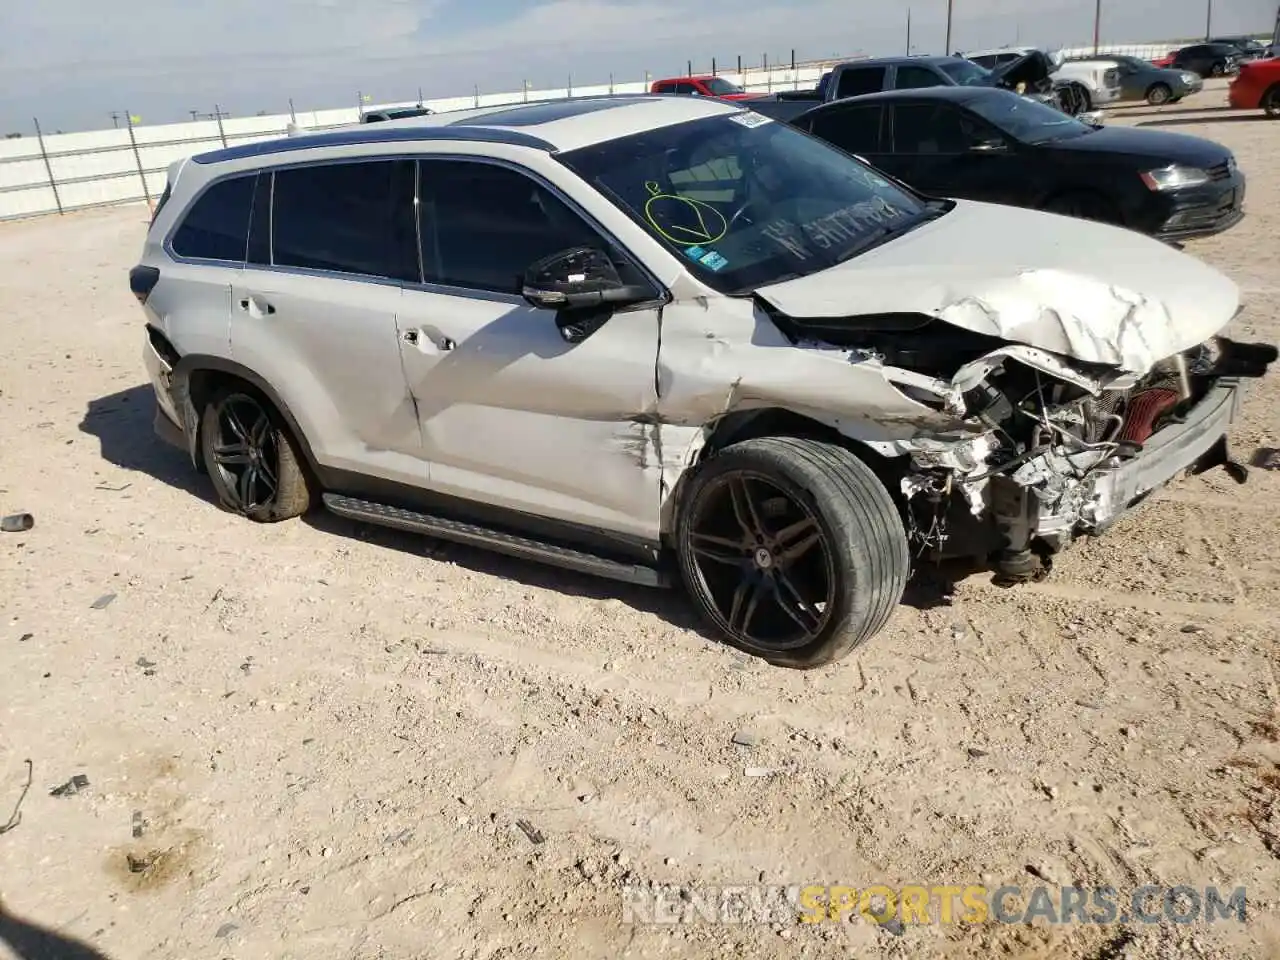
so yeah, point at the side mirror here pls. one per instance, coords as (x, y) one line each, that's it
(582, 285)
(989, 146)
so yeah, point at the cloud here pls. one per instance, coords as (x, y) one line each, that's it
(72, 61)
(157, 35)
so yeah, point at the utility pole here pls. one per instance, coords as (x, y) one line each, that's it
(947, 46)
(908, 31)
(115, 119)
(1208, 20)
(1097, 26)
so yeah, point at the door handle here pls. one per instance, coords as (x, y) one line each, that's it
(415, 337)
(256, 307)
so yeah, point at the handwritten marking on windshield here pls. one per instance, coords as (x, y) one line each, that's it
(833, 229)
(683, 220)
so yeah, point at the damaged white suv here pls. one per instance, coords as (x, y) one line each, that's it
(637, 336)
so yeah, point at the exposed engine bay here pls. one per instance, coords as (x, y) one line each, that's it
(1044, 448)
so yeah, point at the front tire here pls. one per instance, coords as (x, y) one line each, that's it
(1084, 205)
(251, 457)
(792, 549)
(1217, 70)
(1084, 99)
(1270, 102)
(1159, 94)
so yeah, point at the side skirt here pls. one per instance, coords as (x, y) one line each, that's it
(499, 541)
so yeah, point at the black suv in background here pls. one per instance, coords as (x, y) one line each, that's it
(1250, 48)
(1209, 59)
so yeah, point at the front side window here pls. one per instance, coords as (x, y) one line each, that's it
(217, 225)
(746, 201)
(915, 78)
(351, 218)
(483, 225)
(855, 81)
(966, 73)
(931, 128)
(720, 87)
(1027, 120)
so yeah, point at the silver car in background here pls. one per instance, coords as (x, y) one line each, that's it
(1141, 80)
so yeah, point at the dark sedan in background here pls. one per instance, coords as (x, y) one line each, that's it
(982, 144)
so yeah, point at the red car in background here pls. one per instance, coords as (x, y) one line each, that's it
(1166, 61)
(1257, 87)
(707, 86)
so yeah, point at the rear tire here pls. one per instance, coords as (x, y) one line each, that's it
(792, 549)
(1084, 205)
(1158, 94)
(253, 460)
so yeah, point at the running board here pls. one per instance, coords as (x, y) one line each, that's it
(495, 540)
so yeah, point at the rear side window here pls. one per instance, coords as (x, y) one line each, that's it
(854, 129)
(859, 80)
(347, 218)
(217, 225)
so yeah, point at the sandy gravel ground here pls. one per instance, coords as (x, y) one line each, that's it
(329, 732)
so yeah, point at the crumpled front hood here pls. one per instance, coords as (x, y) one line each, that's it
(1096, 293)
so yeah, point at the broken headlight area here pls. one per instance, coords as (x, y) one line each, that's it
(1056, 433)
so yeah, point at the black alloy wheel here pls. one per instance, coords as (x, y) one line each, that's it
(252, 459)
(763, 561)
(245, 452)
(792, 548)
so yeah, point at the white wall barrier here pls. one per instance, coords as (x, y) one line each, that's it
(72, 171)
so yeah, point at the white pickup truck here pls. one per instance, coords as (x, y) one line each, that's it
(1099, 80)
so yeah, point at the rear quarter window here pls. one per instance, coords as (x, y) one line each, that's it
(216, 227)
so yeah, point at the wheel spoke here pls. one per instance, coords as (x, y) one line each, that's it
(806, 615)
(267, 474)
(745, 600)
(744, 509)
(261, 429)
(719, 556)
(235, 424)
(718, 549)
(245, 487)
(231, 454)
(794, 541)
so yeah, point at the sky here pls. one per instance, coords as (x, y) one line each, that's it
(72, 62)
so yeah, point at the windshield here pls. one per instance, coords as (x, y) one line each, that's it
(1027, 120)
(966, 73)
(747, 201)
(720, 87)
